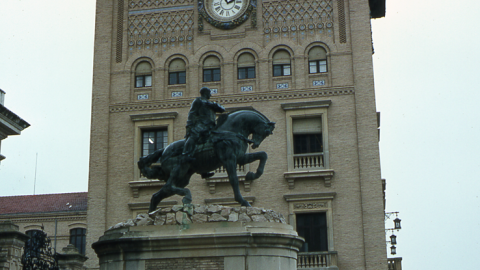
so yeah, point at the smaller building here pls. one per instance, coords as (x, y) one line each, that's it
(10, 123)
(62, 216)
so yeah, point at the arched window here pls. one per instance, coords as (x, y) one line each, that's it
(31, 232)
(246, 66)
(78, 239)
(177, 72)
(143, 75)
(281, 63)
(211, 69)
(317, 60)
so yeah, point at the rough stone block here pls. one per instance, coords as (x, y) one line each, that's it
(216, 217)
(170, 219)
(244, 218)
(233, 217)
(199, 218)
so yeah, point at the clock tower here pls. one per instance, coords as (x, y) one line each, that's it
(305, 64)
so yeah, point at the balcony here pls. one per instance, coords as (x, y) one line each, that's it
(324, 260)
(221, 176)
(394, 263)
(308, 161)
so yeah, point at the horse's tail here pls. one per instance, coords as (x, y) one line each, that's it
(145, 162)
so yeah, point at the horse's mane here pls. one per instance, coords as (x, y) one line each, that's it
(223, 117)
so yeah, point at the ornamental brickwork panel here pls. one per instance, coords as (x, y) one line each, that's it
(148, 4)
(160, 25)
(295, 19)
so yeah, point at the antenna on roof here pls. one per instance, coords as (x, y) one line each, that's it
(35, 178)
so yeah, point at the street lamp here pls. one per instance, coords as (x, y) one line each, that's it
(397, 223)
(393, 239)
(393, 250)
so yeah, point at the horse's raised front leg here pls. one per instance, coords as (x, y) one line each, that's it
(251, 157)
(231, 167)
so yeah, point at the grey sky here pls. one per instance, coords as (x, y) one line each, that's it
(425, 61)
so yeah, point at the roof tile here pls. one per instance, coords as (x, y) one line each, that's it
(61, 202)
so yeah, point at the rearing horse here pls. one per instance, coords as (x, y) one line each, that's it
(226, 146)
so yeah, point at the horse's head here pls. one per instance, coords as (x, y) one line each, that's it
(261, 131)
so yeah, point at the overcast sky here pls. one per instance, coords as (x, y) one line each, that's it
(426, 61)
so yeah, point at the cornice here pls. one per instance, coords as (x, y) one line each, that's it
(44, 219)
(235, 99)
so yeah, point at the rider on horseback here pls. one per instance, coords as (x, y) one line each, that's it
(201, 121)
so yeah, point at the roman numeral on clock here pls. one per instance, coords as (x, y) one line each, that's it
(237, 7)
(217, 9)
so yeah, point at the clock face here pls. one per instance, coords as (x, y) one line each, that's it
(226, 10)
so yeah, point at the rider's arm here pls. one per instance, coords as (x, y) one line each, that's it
(216, 107)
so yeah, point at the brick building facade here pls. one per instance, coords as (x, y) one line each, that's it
(306, 65)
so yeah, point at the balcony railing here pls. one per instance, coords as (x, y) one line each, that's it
(316, 259)
(307, 161)
(395, 263)
(222, 170)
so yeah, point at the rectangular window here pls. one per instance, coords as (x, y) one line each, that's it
(143, 81)
(307, 135)
(153, 140)
(317, 66)
(246, 73)
(313, 227)
(211, 75)
(313, 66)
(281, 70)
(177, 77)
(78, 239)
(307, 143)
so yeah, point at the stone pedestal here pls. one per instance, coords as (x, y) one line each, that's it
(70, 259)
(11, 245)
(211, 245)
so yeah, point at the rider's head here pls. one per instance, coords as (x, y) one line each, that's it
(205, 92)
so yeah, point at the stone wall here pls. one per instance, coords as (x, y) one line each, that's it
(197, 213)
(207, 263)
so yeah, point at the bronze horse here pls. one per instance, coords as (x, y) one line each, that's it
(226, 146)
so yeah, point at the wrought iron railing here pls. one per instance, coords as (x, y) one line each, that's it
(316, 259)
(307, 161)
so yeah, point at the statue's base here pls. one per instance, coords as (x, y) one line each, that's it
(211, 245)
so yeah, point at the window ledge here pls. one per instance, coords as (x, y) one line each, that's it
(246, 80)
(306, 105)
(136, 89)
(136, 185)
(153, 116)
(177, 85)
(327, 176)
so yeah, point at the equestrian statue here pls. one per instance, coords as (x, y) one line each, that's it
(208, 146)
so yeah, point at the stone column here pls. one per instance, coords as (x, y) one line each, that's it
(11, 246)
